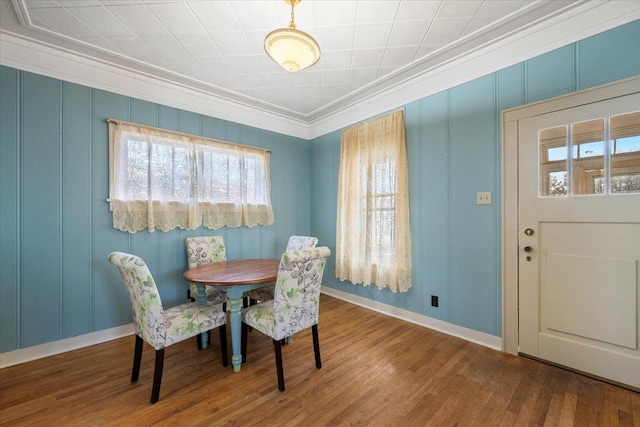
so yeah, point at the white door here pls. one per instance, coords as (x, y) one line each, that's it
(579, 238)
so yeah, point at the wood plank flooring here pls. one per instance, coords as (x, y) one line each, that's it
(376, 371)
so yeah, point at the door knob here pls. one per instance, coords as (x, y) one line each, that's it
(528, 249)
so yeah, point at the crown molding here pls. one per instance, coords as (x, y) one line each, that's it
(527, 37)
(588, 19)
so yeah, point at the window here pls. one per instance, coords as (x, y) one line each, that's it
(596, 167)
(373, 242)
(163, 179)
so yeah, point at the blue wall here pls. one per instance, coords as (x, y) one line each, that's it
(56, 227)
(453, 144)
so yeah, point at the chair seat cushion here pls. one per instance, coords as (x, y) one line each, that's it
(261, 317)
(262, 294)
(188, 320)
(214, 296)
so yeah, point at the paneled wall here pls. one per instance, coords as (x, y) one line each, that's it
(55, 225)
(453, 143)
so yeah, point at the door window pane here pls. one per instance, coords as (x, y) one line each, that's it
(625, 153)
(553, 161)
(588, 157)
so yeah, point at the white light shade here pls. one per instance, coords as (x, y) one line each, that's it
(291, 48)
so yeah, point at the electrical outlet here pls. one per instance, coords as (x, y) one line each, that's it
(434, 300)
(483, 198)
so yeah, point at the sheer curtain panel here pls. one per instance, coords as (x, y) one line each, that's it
(373, 241)
(163, 179)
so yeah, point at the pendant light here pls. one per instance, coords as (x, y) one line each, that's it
(291, 48)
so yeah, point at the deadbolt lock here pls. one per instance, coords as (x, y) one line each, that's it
(528, 249)
(528, 232)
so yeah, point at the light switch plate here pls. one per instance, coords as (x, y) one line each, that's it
(483, 198)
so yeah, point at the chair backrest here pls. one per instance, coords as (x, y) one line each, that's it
(148, 314)
(301, 242)
(204, 250)
(297, 293)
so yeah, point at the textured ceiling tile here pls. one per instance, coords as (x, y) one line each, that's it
(308, 78)
(336, 60)
(232, 43)
(101, 20)
(166, 46)
(139, 19)
(375, 11)
(367, 58)
(408, 33)
(131, 46)
(216, 65)
(445, 31)
(244, 64)
(76, 3)
(418, 10)
(336, 91)
(336, 37)
(333, 13)
(260, 15)
(372, 35)
(63, 22)
(177, 17)
(458, 9)
(399, 56)
(215, 16)
(199, 45)
(363, 76)
(334, 77)
(497, 8)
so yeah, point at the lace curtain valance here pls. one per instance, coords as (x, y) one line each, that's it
(163, 179)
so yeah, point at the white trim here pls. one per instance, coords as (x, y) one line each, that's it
(28, 354)
(467, 334)
(587, 20)
(27, 55)
(510, 228)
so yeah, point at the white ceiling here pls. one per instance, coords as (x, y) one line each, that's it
(215, 47)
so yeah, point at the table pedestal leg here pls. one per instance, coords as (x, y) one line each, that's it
(202, 297)
(236, 329)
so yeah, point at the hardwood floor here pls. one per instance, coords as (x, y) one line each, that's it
(376, 371)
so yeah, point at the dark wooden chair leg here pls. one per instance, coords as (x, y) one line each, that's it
(223, 345)
(278, 349)
(316, 345)
(157, 376)
(137, 358)
(243, 341)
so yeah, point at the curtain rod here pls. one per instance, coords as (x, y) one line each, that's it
(116, 121)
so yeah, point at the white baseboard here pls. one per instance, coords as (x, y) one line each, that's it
(467, 334)
(28, 354)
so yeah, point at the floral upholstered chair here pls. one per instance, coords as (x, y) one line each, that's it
(162, 327)
(205, 250)
(295, 243)
(295, 304)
